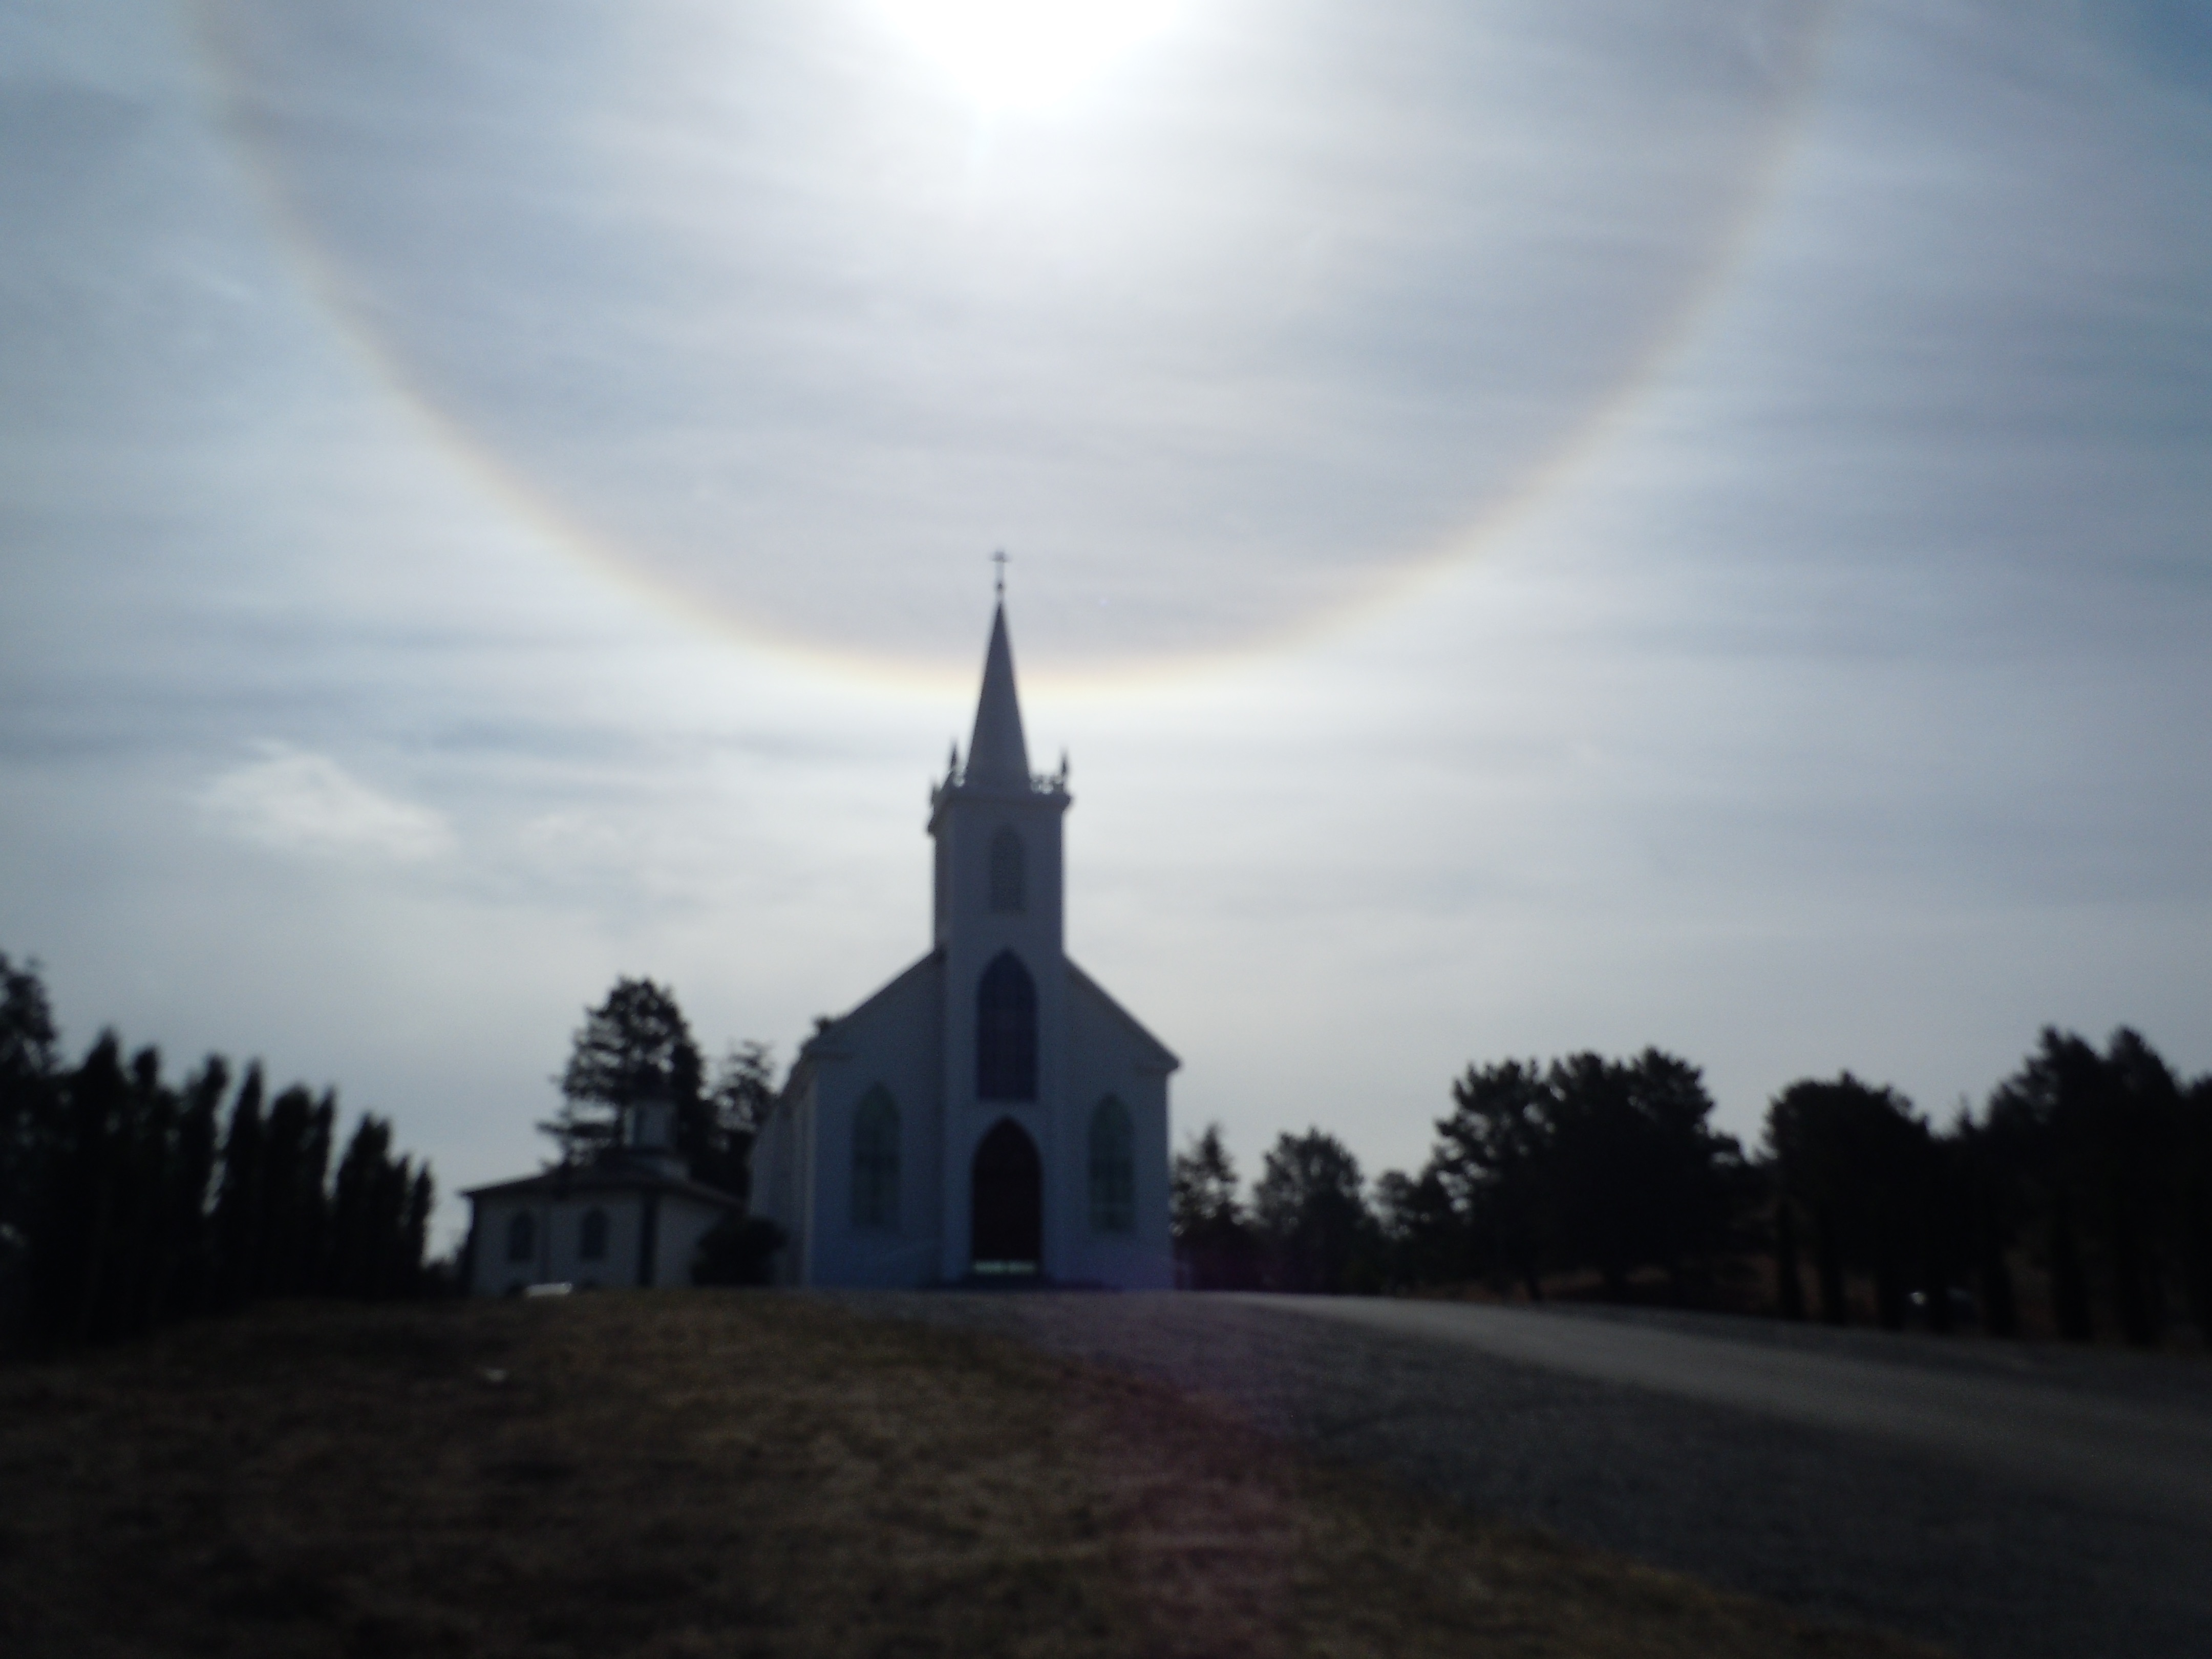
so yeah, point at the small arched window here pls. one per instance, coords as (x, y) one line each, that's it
(876, 1160)
(1005, 1031)
(591, 1237)
(522, 1237)
(1113, 1168)
(1009, 872)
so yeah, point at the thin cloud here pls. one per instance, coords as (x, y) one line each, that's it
(298, 802)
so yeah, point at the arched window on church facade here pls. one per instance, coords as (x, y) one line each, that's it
(876, 1160)
(1009, 877)
(591, 1236)
(522, 1237)
(1006, 1031)
(1113, 1168)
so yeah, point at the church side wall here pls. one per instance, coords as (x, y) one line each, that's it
(1108, 1057)
(893, 1039)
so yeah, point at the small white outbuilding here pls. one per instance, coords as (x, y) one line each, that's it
(634, 1217)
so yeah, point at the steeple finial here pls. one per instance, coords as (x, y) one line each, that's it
(999, 582)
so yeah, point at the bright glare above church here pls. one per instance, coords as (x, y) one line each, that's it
(991, 1113)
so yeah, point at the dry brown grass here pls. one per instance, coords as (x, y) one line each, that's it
(739, 1474)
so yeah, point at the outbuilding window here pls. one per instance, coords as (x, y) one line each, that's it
(591, 1236)
(1113, 1168)
(522, 1237)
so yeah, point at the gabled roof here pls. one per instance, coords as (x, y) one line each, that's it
(825, 1041)
(1162, 1058)
(575, 1180)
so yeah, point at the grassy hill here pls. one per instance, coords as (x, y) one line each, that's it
(739, 1474)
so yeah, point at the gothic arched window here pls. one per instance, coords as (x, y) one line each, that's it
(1009, 877)
(591, 1236)
(876, 1160)
(522, 1237)
(1006, 1031)
(1113, 1168)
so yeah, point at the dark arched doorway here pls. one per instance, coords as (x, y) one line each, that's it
(1006, 1217)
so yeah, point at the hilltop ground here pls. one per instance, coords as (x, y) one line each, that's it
(740, 1474)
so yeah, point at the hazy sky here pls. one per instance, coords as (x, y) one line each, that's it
(1543, 525)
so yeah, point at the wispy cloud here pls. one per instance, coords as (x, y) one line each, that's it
(307, 804)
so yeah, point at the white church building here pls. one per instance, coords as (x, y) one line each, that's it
(991, 1115)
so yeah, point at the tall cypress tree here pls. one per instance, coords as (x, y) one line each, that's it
(2196, 1203)
(69, 1244)
(147, 1152)
(30, 1099)
(285, 1200)
(315, 1186)
(364, 1214)
(238, 1205)
(422, 1198)
(191, 1245)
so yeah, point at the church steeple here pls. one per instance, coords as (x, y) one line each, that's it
(998, 755)
(997, 827)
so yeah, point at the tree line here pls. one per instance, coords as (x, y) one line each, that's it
(128, 1199)
(2086, 1175)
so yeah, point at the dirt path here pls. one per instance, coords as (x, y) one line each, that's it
(1966, 1498)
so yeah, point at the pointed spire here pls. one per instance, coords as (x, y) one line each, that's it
(998, 756)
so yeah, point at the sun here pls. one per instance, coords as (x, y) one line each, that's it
(1025, 54)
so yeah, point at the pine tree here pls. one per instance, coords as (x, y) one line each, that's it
(635, 1046)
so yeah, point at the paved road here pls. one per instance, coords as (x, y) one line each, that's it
(2006, 1501)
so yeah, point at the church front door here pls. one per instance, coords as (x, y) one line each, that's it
(1006, 1225)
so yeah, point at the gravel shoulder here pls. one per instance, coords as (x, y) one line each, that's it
(1851, 1509)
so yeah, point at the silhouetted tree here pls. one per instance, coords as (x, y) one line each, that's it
(189, 1239)
(1212, 1238)
(379, 1217)
(413, 1237)
(126, 1201)
(1493, 1154)
(69, 1254)
(1788, 1286)
(1858, 1159)
(1310, 1210)
(1642, 1178)
(29, 1126)
(1592, 1163)
(2099, 1145)
(1425, 1237)
(719, 1141)
(635, 1046)
(238, 1203)
(2196, 1184)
